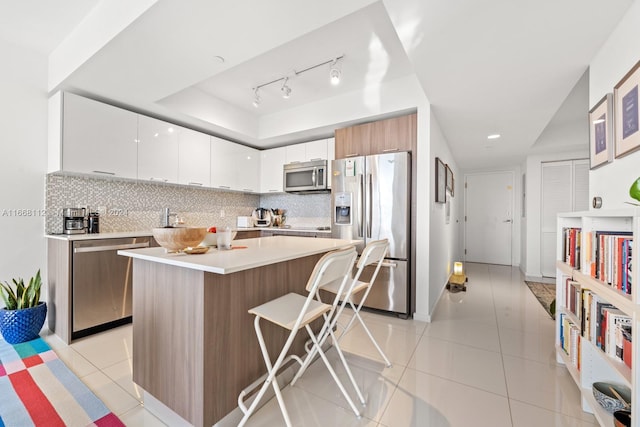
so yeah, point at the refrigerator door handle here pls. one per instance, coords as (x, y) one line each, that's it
(389, 264)
(360, 207)
(370, 206)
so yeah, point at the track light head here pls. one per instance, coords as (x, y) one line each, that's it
(286, 90)
(256, 98)
(334, 72)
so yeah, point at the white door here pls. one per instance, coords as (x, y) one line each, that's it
(565, 188)
(489, 217)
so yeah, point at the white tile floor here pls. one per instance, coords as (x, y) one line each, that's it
(487, 359)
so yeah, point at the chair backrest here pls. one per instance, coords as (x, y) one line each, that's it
(335, 265)
(373, 253)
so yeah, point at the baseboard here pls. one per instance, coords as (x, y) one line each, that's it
(540, 279)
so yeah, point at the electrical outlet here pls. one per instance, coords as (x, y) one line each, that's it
(221, 213)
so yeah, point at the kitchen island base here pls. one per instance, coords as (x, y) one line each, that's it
(194, 343)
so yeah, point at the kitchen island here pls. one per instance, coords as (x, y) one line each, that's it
(194, 344)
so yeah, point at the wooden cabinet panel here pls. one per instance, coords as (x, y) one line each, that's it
(395, 134)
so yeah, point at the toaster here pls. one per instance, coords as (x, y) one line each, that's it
(244, 221)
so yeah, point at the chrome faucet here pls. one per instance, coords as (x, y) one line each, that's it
(166, 218)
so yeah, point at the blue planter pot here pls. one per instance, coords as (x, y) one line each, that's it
(22, 325)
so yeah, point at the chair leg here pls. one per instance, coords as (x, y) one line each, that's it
(346, 368)
(270, 380)
(373, 340)
(331, 371)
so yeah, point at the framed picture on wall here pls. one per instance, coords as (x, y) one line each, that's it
(601, 132)
(450, 180)
(627, 112)
(441, 181)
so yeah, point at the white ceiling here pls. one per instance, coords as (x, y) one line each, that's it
(492, 66)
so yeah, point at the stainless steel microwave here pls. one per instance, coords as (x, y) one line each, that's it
(306, 177)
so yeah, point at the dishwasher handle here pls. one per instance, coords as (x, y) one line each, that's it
(111, 247)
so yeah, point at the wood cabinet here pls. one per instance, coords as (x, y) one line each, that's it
(586, 281)
(157, 150)
(271, 162)
(90, 137)
(395, 134)
(194, 158)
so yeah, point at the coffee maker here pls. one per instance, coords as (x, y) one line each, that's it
(73, 220)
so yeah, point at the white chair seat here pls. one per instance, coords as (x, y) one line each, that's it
(284, 311)
(334, 287)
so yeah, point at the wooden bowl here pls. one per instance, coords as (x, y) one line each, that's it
(177, 238)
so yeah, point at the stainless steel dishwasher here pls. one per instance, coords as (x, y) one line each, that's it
(101, 284)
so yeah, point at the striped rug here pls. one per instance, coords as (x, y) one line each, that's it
(37, 389)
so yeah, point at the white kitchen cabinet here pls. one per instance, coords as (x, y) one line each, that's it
(194, 158)
(234, 166)
(307, 151)
(295, 153)
(271, 162)
(315, 150)
(222, 166)
(157, 150)
(247, 169)
(92, 137)
(331, 156)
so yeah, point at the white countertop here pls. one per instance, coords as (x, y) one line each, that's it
(143, 233)
(92, 236)
(258, 252)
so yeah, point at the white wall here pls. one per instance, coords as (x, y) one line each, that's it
(23, 161)
(444, 249)
(616, 57)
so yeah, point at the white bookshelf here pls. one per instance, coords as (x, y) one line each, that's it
(596, 365)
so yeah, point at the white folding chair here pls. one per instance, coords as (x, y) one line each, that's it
(373, 254)
(294, 312)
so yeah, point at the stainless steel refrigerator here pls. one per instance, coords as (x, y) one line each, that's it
(370, 200)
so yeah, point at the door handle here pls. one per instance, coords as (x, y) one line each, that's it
(369, 206)
(361, 207)
(507, 220)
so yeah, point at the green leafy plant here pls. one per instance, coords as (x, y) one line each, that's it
(23, 296)
(634, 191)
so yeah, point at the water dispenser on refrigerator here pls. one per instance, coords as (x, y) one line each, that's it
(342, 215)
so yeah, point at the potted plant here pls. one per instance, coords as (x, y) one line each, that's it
(23, 315)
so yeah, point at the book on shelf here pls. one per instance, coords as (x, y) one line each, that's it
(570, 340)
(609, 258)
(571, 246)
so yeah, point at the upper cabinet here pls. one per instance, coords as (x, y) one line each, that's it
(157, 150)
(234, 166)
(194, 158)
(271, 162)
(306, 151)
(383, 136)
(87, 136)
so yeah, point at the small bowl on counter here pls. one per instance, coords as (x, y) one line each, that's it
(608, 399)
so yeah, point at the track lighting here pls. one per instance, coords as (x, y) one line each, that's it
(256, 98)
(334, 76)
(286, 90)
(334, 73)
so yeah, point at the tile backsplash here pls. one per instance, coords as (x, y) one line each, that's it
(126, 205)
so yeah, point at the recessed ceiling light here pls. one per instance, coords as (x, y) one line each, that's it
(494, 136)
